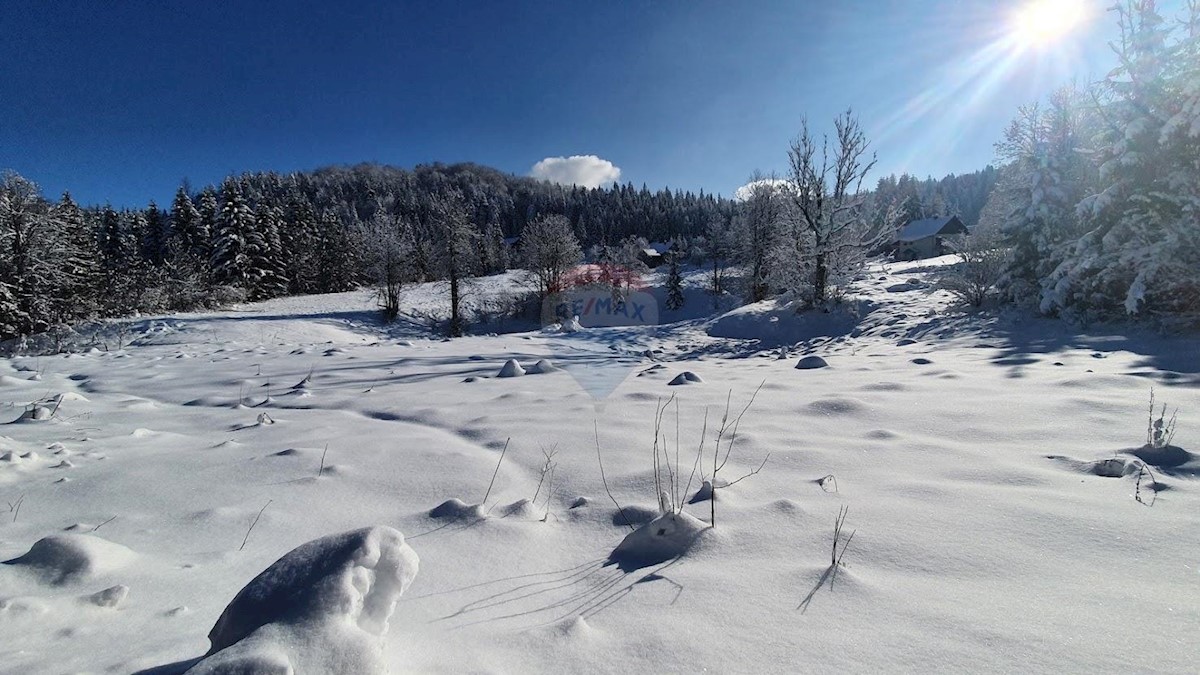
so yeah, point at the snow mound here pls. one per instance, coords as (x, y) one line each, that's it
(1114, 467)
(543, 366)
(66, 558)
(522, 508)
(323, 607)
(511, 369)
(686, 377)
(773, 323)
(11, 381)
(1111, 467)
(635, 514)
(1167, 458)
(571, 325)
(456, 508)
(667, 536)
(811, 363)
(36, 413)
(110, 597)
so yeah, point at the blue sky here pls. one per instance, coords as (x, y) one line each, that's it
(119, 101)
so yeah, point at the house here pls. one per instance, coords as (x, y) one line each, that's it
(655, 253)
(924, 238)
(650, 257)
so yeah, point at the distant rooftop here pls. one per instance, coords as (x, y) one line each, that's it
(920, 229)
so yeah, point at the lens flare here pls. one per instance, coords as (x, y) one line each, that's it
(1043, 22)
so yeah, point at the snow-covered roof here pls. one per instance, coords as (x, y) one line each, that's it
(662, 248)
(651, 253)
(920, 229)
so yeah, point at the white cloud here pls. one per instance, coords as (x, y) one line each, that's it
(743, 193)
(583, 170)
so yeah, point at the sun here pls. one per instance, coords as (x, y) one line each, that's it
(1043, 22)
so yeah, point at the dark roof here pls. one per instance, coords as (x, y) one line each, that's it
(921, 229)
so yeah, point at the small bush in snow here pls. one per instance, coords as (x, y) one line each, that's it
(1160, 431)
(982, 264)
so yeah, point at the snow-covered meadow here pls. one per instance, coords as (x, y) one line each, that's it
(982, 463)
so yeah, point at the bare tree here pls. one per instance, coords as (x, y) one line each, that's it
(455, 236)
(757, 227)
(827, 193)
(385, 245)
(548, 251)
(719, 242)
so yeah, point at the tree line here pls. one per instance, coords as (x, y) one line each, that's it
(262, 235)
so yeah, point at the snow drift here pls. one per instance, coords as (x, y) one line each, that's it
(323, 607)
(66, 558)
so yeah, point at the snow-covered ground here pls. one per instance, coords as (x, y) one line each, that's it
(971, 454)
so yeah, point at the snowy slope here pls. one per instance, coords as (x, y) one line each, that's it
(965, 447)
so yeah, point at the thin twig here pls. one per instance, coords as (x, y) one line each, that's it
(496, 472)
(698, 465)
(104, 523)
(752, 473)
(321, 470)
(252, 524)
(835, 557)
(15, 507)
(596, 430)
(1152, 487)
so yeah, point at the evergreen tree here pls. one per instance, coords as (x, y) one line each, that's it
(156, 237)
(266, 254)
(674, 282)
(234, 240)
(1140, 253)
(77, 298)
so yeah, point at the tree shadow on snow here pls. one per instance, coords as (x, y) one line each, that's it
(581, 591)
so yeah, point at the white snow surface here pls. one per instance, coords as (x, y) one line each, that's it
(971, 450)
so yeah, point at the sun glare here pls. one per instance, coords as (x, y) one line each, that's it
(1042, 22)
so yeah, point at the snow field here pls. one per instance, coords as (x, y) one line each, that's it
(973, 550)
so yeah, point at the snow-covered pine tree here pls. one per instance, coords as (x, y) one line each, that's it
(1140, 254)
(233, 240)
(266, 254)
(156, 237)
(298, 237)
(675, 299)
(24, 265)
(493, 254)
(188, 238)
(1045, 178)
(336, 261)
(77, 297)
